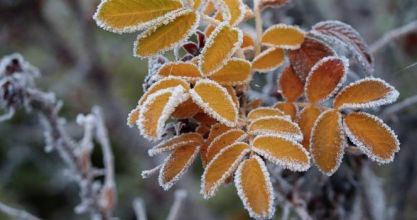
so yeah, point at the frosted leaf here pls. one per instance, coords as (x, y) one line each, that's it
(268, 60)
(176, 164)
(156, 110)
(350, 37)
(185, 70)
(221, 167)
(366, 93)
(254, 188)
(236, 10)
(194, 139)
(261, 112)
(220, 142)
(372, 136)
(275, 125)
(289, 155)
(283, 36)
(235, 72)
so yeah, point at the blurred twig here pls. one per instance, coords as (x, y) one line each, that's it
(17, 213)
(174, 213)
(139, 208)
(393, 35)
(394, 109)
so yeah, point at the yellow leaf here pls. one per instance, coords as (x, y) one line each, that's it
(128, 16)
(156, 110)
(291, 85)
(235, 72)
(268, 60)
(328, 142)
(194, 139)
(215, 101)
(224, 140)
(221, 167)
(276, 126)
(233, 94)
(307, 118)
(184, 70)
(210, 8)
(288, 108)
(176, 165)
(221, 45)
(264, 112)
(254, 188)
(165, 83)
(283, 36)
(366, 93)
(167, 34)
(186, 110)
(236, 10)
(372, 136)
(325, 78)
(282, 151)
(197, 4)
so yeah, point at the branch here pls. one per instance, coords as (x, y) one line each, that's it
(174, 213)
(139, 208)
(17, 213)
(394, 109)
(393, 35)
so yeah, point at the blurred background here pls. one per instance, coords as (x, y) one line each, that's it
(86, 66)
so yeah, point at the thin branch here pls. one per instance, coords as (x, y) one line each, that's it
(394, 109)
(139, 208)
(393, 35)
(17, 213)
(174, 213)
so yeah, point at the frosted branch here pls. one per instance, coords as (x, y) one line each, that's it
(16, 213)
(393, 35)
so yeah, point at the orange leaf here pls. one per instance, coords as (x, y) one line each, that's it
(221, 45)
(264, 112)
(194, 139)
(372, 136)
(205, 119)
(282, 151)
(276, 126)
(184, 70)
(325, 78)
(288, 108)
(291, 85)
(210, 8)
(366, 93)
(283, 36)
(221, 167)
(166, 35)
(217, 130)
(268, 60)
(176, 165)
(224, 140)
(254, 104)
(215, 101)
(133, 117)
(197, 4)
(254, 188)
(310, 52)
(169, 82)
(156, 110)
(233, 94)
(308, 117)
(248, 42)
(327, 144)
(127, 16)
(235, 72)
(186, 110)
(236, 10)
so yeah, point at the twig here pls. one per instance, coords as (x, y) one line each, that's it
(392, 110)
(17, 213)
(174, 213)
(258, 26)
(393, 35)
(139, 208)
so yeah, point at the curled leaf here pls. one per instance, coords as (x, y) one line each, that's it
(254, 188)
(372, 136)
(327, 143)
(167, 34)
(156, 110)
(366, 93)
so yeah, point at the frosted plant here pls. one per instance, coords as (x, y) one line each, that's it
(206, 87)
